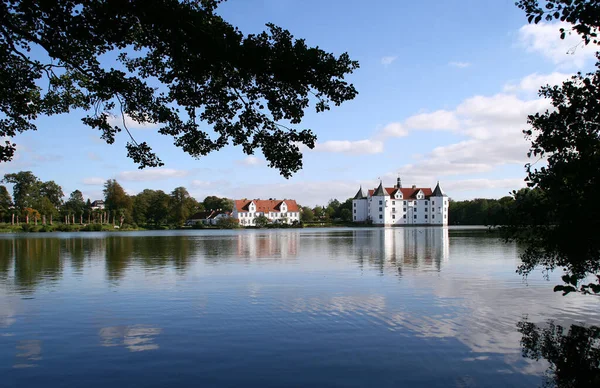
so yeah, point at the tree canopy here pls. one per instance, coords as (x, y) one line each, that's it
(561, 224)
(179, 65)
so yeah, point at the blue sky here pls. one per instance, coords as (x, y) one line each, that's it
(444, 91)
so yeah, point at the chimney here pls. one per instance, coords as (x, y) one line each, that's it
(398, 183)
(414, 187)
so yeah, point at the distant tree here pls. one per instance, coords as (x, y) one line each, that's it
(179, 64)
(261, 221)
(75, 204)
(158, 211)
(307, 214)
(116, 199)
(330, 213)
(26, 188)
(141, 205)
(346, 215)
(47, 208)
(228, 223)
(318, 212)
(53, 192)
(5, 203)
(182, 205)
(214, 203)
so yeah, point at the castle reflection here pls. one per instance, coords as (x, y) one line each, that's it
(423, 248)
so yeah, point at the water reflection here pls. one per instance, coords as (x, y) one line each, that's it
(573, 357)
(136, 338)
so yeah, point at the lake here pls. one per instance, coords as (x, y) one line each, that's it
(414, 307)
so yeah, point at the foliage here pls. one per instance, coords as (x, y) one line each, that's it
(574, 357)
(116, 199)
(228, 223)
(307, 214)
(261, 221)
(209, 75)
(480, 211)
(215, 203)
(26, 188)
(560, 226)
(75, 204)
(5, 203)
(182, 205)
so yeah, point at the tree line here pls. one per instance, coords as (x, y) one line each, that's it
(34, 201)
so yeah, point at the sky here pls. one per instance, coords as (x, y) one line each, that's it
(445, 87)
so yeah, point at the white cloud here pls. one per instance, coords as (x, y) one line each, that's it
(460, 65)
(533, 82)
(358, 147)
(131, 124)
(154, 174)
(544, 39)
(392, 130)
(93, 181)
(251, 160)
(199, 184)
(441, 119)
(386, 61)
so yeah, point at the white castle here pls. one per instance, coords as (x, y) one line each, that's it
(396, 206)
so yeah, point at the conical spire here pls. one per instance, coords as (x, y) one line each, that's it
(360, 194)
(380, 192)
(437, 192)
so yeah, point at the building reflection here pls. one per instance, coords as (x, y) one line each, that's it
(136, 338)
(419, 248)
(270, 245)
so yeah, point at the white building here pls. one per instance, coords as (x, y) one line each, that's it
(276, 210)
(397, 206)
(210, 217)
(98, 205)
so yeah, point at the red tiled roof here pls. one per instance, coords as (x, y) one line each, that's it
(407, 192)
(266, 205)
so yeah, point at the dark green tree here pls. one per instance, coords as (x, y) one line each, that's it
(560, 227)
(307, 214)
(261, 221)
(75, 204)
(214, 203)
(248, 89)
(26, 188)
(116, 199)
(158, 211)
(53, 192)
(5, 203)
(182, 205)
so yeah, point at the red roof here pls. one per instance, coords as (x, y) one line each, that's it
(407, 192)
(266, 205)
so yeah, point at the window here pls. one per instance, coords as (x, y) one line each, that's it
(415, 203)
(354, 204)
(426, 209)
(416, 209)
(393, 202)
(415, 216)
(403, 209)
(380, 216)
(354, 218)
(393, 210)
(444, 216)
(426, 202)
(433, 216)
(404, 216)
(425, 216)
(432, 209)
(354, 211)
(381, 202)
(433, 202)
(393, 216)
(380, 208)
(405, 202)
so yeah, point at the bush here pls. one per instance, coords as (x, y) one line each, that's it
(228, 223)
(92, 228)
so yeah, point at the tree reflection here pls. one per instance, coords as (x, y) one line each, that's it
(574, 357)
(36, 260)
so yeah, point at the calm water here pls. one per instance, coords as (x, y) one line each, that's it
(415, 307)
